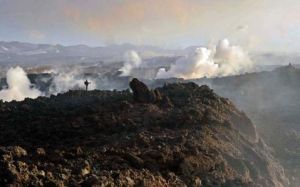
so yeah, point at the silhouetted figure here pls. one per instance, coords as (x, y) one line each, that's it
(86, 83)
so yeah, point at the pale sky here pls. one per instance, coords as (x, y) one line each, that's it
(268, 25)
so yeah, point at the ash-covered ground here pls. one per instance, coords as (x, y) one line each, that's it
(65, 122)
(176, 135)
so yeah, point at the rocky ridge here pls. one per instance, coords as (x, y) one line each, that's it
(176, 135)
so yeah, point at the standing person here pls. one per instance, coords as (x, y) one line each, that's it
(86, 83)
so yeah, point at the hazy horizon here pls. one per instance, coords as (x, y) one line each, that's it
(256, 26)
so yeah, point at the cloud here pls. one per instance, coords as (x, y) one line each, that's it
(132, 60)
(36, 35)
(198, 64)
(167, 23)
(222, 60)
(64, 81)
(134, 21)
(242, 27)
(19, 86)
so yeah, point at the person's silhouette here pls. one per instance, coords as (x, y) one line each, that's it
(86, 83)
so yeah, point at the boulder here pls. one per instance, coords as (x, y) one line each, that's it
(41, 151)
(141, 93)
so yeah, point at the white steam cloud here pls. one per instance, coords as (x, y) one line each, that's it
(223, 60)
(19, 86)
(132, 60)
(65, 81)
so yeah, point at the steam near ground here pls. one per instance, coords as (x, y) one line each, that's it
(220, 60)
(64, 81)
(132, 60)
(19, 86)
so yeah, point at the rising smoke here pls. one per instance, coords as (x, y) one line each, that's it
(19, 86)
(132, 60)
(222, 60)
(65, 81)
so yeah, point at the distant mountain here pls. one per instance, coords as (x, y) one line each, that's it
(28, 53)
(21, 53)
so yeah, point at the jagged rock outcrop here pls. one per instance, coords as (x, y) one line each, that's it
(141, 93)
(123, 139)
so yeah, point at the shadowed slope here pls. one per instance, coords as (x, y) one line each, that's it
(186, 136)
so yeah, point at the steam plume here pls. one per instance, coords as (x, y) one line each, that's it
(131, 61)
(19, 86)
(222, 60)
(65, 81)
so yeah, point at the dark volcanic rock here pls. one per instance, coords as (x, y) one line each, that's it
(141, 93)
(271, 100)
(176, 135)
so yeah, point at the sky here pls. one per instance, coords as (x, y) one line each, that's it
(258, 25)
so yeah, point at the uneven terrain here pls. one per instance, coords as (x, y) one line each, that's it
(176, 135)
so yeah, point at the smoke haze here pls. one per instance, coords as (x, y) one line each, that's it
(100, 22)
(19, 86)
(221, 60)
(131, 60)
(65, 81)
